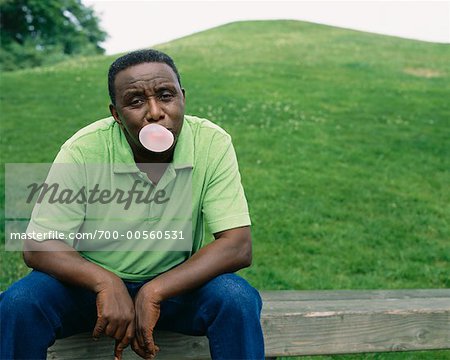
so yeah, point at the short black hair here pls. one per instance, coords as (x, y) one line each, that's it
(135, 58)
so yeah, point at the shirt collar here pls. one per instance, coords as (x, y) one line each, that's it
(183, 156)
(123, 160)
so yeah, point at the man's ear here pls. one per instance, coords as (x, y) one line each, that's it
(114, 113)
(184, 95)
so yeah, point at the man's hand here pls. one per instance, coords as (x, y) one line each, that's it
(115, 309)
(147, 309)
(115, 315)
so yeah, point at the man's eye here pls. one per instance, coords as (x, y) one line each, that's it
(136, 102)
(166, 96)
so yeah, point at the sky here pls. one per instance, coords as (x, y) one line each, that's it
(137, 24)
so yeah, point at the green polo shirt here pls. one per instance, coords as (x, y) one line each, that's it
(203, 182)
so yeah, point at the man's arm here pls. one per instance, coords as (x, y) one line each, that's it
(231, 251)
(115, 309)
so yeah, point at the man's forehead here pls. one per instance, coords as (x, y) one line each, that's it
(145, 72)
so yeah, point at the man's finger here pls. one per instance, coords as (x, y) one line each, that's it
(124, 341)
(118, 349)
(111, 329)
(125, 333)
(149, 343)
(140, 337)
(142, 352)
(137, 348)
(120, 346)
(99, 328)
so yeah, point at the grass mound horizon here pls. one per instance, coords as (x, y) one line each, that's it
(341, 136)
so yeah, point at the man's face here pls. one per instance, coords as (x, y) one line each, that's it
(148, 93)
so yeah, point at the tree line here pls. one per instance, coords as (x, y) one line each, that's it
(37, 32)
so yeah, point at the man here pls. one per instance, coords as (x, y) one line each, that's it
(127, 294)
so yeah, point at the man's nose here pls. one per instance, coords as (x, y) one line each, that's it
(154, 110)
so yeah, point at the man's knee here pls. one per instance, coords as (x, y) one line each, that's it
(235, 294)
(21, 302)
(36, 296)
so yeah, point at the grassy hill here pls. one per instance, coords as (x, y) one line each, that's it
(342, 139)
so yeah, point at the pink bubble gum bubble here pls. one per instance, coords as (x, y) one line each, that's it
(156, 138)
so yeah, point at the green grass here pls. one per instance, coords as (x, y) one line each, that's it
(342, 139)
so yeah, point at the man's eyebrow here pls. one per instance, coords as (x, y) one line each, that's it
(138, 90)
(164, 86)
(134, 91)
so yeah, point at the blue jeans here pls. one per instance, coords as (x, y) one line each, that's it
(38, 309)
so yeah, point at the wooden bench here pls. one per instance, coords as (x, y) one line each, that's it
(312, 323)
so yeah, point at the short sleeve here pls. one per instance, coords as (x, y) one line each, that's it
(224, 206)
(58, 210)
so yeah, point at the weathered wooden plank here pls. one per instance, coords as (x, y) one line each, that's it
(316, 295)
(356, 322)
(173, 346)
(363, 306)
(341, 332)
(314, 322)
